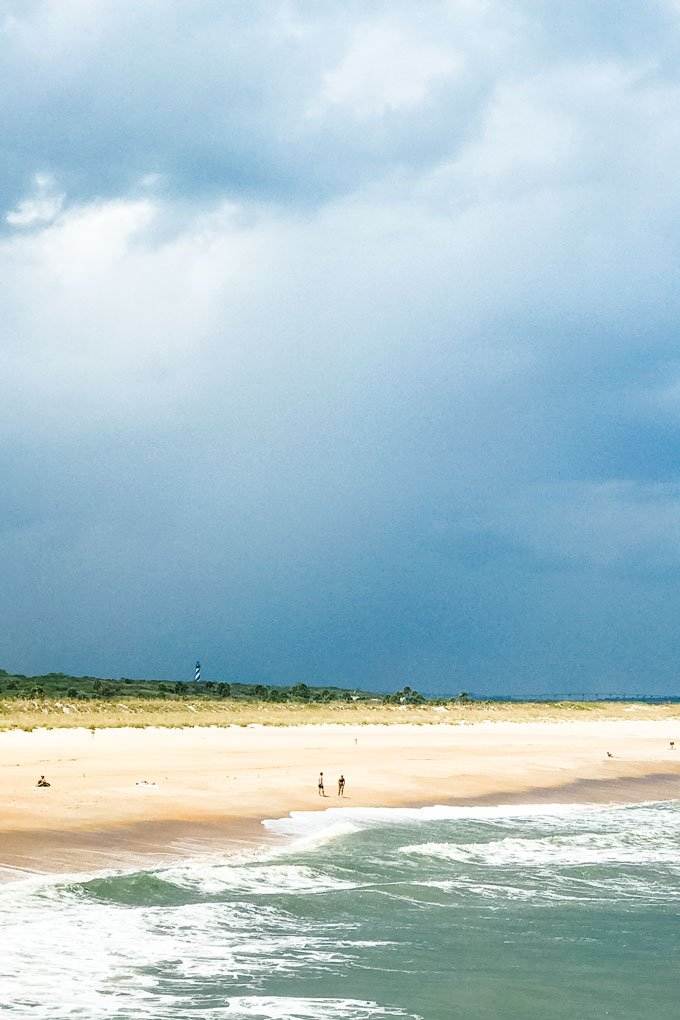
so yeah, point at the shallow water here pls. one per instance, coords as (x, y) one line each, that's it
(523, 912)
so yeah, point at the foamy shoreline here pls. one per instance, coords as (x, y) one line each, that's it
(139, 797)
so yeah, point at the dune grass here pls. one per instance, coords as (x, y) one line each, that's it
(28, 714)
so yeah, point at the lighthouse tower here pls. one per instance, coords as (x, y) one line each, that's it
(197, 672)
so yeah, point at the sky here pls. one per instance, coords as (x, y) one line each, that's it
(339, 342)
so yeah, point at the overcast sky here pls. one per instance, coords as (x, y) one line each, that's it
(339, 342)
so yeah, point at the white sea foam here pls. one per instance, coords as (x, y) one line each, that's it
(309, 828)
(255, 1007)
(556, 887)
(309, 836)
(644, 835)
(563, 851)
(65, 931)
(257, 879)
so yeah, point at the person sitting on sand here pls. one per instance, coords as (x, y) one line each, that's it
(609, 754)
(42, 782)
(341, 786)
(322, 792)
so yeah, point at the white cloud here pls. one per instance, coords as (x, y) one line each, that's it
(41, 206)
(385, 70)
(575, 126)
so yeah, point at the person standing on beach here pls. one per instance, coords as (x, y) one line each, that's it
(322, 792)
(341, 786)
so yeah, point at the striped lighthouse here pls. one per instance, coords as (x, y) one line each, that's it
(197, 672)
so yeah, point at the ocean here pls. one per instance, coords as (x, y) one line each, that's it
(527, 912)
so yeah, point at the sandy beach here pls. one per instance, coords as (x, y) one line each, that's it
(126, 797)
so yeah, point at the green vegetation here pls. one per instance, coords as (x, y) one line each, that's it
(61, 686)
(82, 688)
(406, 696)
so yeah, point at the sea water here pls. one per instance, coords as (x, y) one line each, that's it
(527, 912)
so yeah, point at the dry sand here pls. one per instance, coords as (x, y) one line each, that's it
(124, 797)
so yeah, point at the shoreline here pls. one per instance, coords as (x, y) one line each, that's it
(147, 846)
(137, 799)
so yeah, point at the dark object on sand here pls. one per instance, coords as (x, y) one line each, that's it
(42, 782)
(609, 754)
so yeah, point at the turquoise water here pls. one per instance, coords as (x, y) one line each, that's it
(524, 912)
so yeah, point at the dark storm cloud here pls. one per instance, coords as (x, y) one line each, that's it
(340, 344)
